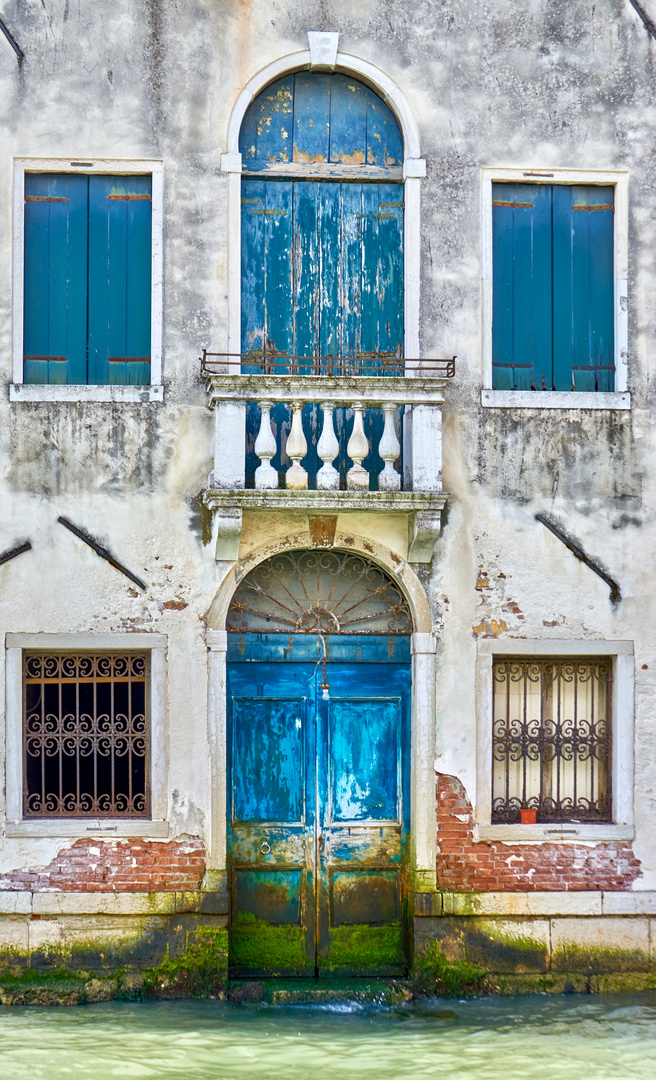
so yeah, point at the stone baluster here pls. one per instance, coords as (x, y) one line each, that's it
(328, 449)
(357, 477)
(296, 477)
(389, 449)
(265, 448)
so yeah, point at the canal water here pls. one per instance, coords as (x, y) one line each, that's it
(532, 1038)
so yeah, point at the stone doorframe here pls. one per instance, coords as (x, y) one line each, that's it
(423, 829)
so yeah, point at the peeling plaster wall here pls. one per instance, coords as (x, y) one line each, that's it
(545, 83)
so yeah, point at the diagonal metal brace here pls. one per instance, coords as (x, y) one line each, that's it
(615, 594)
(12, 41)
(648, 23)
(13, 552)
(102, 551)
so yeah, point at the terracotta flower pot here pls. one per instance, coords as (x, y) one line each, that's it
(527, 816)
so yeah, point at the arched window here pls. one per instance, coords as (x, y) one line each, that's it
(322, 228)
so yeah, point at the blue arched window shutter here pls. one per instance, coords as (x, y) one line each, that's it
(322, 259)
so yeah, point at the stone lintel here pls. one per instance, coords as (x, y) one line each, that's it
(422, 509)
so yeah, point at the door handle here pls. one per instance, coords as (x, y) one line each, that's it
(320, 841)
(265, 848)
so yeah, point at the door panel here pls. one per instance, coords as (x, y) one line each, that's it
(319, 798)
(268, 776)
(363, 760)
(268, 930)
(270, 837)
(362, 807)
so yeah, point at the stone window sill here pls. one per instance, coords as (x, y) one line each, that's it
(78, 829)
(549, 834)
(553, 399)
(30, 392)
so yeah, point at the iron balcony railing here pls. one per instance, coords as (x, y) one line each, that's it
(271, 362)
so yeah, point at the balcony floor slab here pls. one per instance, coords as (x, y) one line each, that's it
(422, 511)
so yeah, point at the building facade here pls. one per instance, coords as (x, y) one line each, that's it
(327, 509)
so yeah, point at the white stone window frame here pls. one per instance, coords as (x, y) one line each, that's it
(155, 827)
(620, 398)
(30, 392)
(622, 771)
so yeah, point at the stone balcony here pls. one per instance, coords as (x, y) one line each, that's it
(327, 444)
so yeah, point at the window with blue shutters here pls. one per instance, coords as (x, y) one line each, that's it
(553, 311)
(87, 279)
(322, 224)
(322, 245)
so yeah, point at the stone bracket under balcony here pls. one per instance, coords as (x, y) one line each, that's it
(326, 445)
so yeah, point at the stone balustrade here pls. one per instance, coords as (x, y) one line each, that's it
(326, 444)
(356, 434)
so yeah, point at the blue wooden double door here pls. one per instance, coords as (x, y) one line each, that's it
(318, 803)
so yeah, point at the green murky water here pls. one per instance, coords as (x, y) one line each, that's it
(534, 1038)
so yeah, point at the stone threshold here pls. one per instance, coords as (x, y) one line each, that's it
(536, 903)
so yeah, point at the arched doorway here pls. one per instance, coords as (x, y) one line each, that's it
(318, 721)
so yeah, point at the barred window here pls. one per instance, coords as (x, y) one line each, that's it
(86, 735)
(551, 746)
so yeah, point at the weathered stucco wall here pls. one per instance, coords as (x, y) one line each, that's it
(543, 84)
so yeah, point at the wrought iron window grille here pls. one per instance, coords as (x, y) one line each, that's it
(551, 742)
(86, 735)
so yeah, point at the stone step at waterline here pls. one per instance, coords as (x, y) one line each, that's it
(319, 992)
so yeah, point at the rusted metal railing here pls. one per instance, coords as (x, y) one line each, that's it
(273, 363)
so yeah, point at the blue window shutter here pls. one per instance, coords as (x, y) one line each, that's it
(316, 117)
(55, 297)
(253, 227)
(348, 121)
(120, 241)
(312, 117)
(267, 131)
(389, 284)
(304, 269)
(329, 242)
(384, 142)
(522, 283)
(583, 288)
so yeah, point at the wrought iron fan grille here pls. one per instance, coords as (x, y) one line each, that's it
(318, 592)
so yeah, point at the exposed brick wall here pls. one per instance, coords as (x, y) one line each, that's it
(117, 866)
(463, 866)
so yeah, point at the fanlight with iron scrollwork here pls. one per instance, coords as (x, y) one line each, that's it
(318, 592)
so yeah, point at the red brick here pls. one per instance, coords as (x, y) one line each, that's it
(120, 866)
(465, 866)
